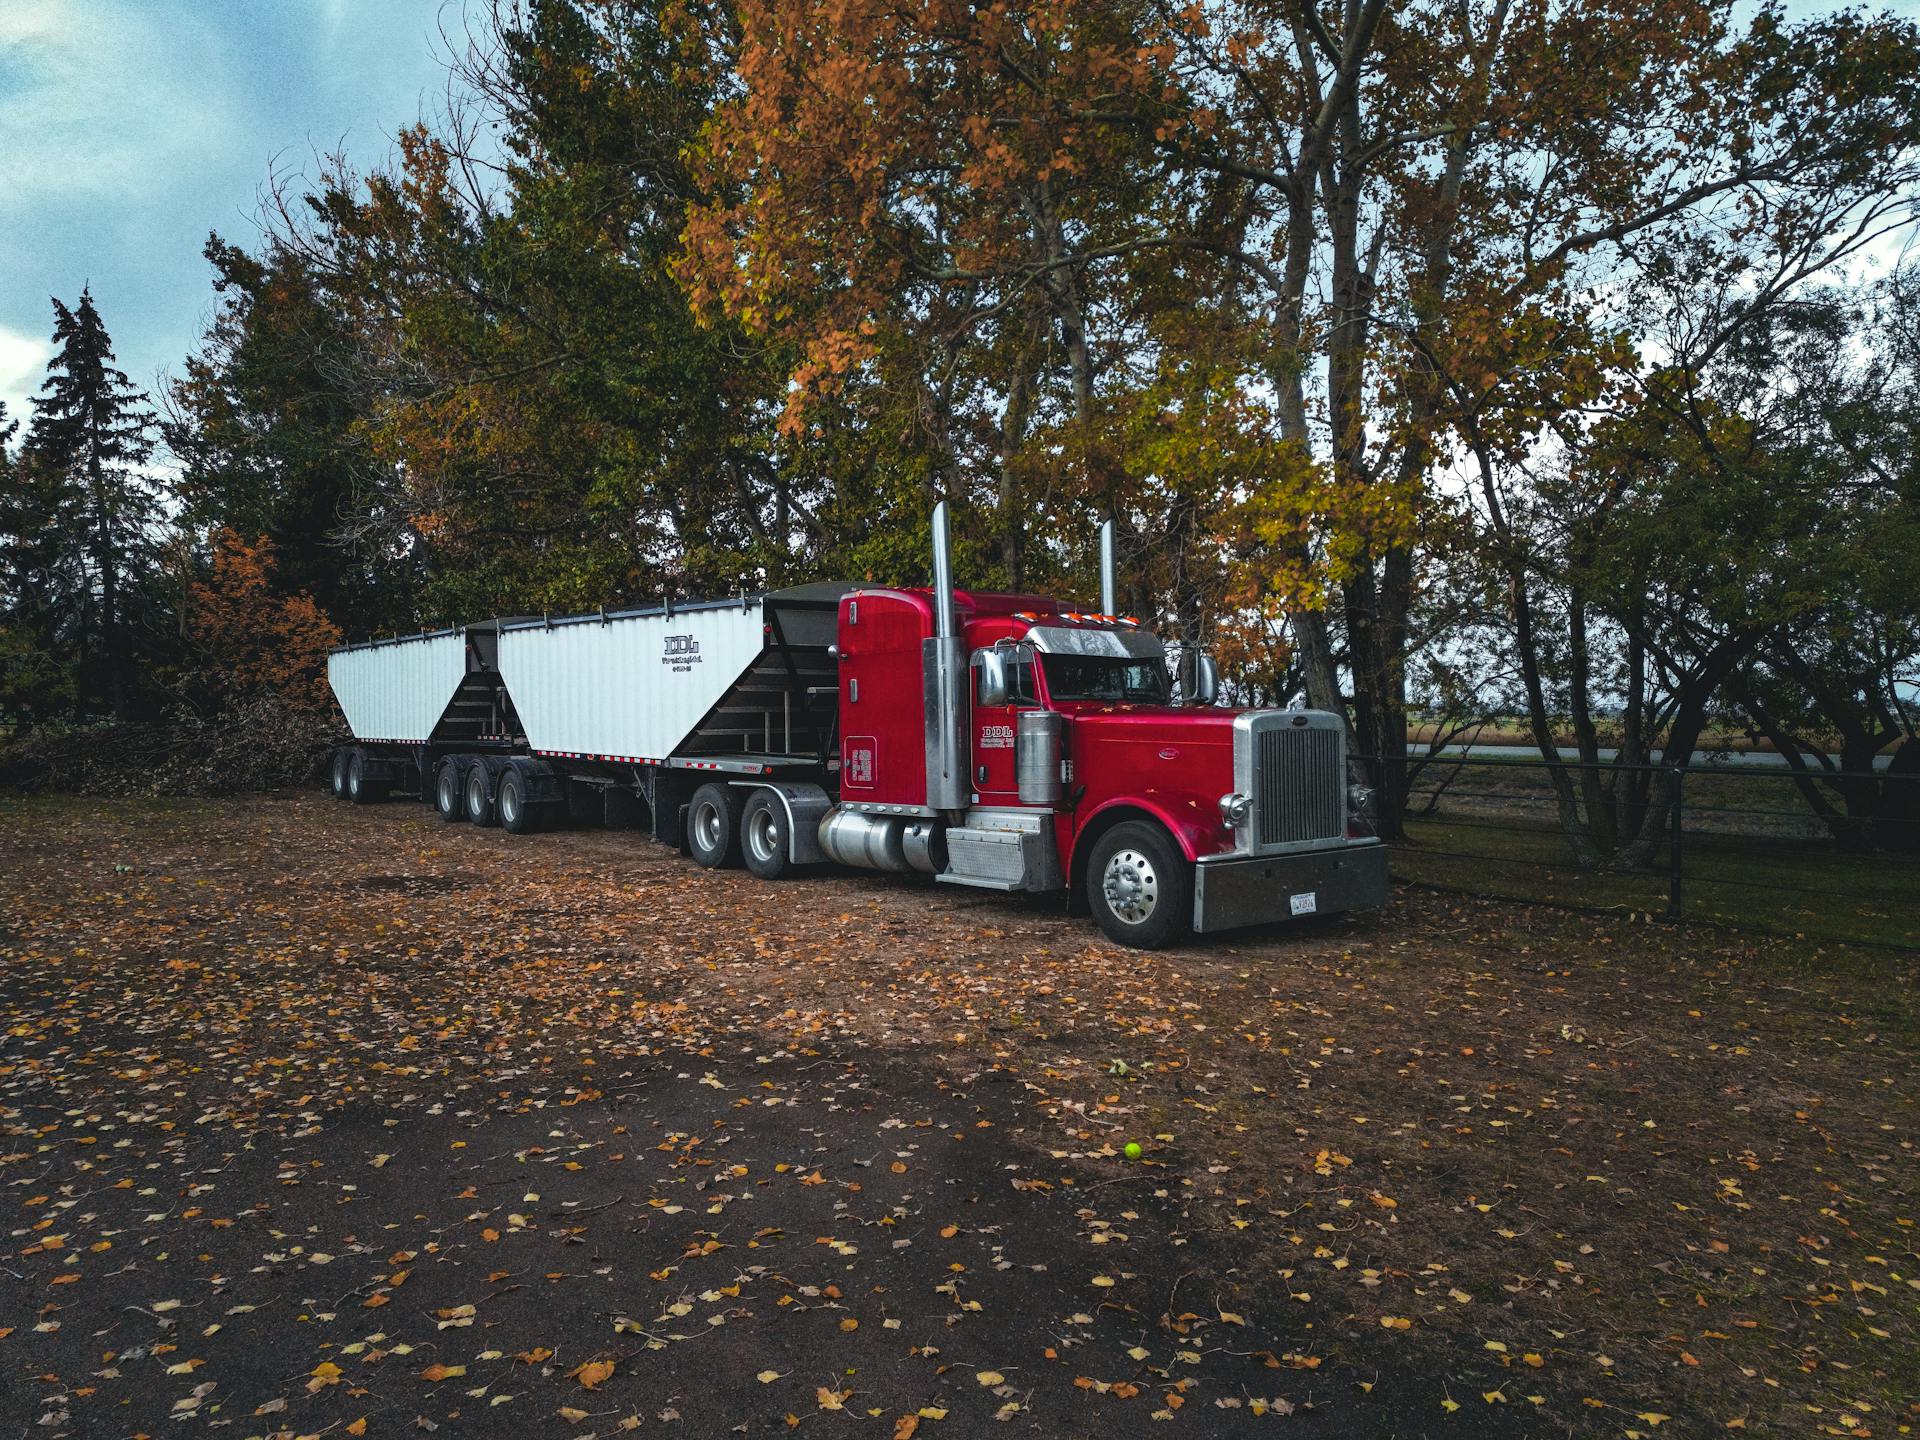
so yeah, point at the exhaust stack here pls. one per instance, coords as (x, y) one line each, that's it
(943, 616)
(1109, 572)
(943, 680)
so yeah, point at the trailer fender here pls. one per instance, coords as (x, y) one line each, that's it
(543, 782)
(805, 804)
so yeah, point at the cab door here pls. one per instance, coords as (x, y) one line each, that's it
(992, 729)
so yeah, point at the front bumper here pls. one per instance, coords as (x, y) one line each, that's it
(1234, 890)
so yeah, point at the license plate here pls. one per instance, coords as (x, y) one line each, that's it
(1304, 904)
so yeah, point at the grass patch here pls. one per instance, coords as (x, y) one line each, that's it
(1776, 887)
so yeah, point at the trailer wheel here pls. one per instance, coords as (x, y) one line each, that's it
(479, 794)
(448, 797)
(713, 826)
(765, 844)
(337, 770)
(517, 817)
(1140, 887)
(364, 783)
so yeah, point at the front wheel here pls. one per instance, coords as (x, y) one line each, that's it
(713, 826)
(1140, 887)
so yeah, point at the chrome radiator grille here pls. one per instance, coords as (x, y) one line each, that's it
(1299, 785)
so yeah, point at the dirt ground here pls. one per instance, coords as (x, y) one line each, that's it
(334, 1121)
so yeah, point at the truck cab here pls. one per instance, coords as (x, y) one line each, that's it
(1078, 770)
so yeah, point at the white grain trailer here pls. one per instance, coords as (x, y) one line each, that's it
(617, 716)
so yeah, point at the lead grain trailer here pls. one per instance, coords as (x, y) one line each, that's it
(999, 741)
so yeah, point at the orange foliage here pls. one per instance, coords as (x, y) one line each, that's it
(874, 148)
(248, 640)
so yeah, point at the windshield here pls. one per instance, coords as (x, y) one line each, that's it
(1090, 677)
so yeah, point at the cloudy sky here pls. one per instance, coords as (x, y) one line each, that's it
(131, 128)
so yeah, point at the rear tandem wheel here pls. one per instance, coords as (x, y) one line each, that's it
(713, 826)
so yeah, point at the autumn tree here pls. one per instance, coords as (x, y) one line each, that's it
(1416, 214)
(248, 639)
(945, 195)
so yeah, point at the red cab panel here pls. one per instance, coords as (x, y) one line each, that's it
(883, 746)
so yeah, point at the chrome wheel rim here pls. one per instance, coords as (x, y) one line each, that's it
(449, 793)
(763, 836)
(477, 795)
(509, 805)
(709, 827)
(1131, 886)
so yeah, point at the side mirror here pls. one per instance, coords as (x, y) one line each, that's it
(1198, 676)
(992, 665)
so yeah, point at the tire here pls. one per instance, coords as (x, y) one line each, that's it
(478, 792)
(337, 771)
(765, 842)
(713, 826)
(518, 816)
(365, 784)
(1140, 887)
(449, 796)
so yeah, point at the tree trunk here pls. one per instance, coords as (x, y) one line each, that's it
(1630, 780)
(1527, 648)
(1013, 431)
(1683, 737)
(1579, 840)
(1599, 812)
(107, 562)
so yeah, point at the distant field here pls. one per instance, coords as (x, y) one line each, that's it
(1515, 733)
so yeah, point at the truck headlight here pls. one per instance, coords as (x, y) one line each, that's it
(1235, 809)
(1359, 800)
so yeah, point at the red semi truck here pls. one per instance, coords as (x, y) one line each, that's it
(992, 740)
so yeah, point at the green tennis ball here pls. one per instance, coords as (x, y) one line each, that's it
(1133, 1149)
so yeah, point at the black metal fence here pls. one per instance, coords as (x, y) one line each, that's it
(1746, 845)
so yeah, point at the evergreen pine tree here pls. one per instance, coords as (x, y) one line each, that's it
(42, 575)
(94, 429)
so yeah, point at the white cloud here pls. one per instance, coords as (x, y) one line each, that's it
(104, 98)
(23, 364)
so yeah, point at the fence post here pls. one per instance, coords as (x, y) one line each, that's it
(1676, 869)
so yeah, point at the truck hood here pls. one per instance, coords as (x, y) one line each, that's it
(1175, 761)
(1184, 724)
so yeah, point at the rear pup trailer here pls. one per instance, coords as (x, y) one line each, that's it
(994, 740)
